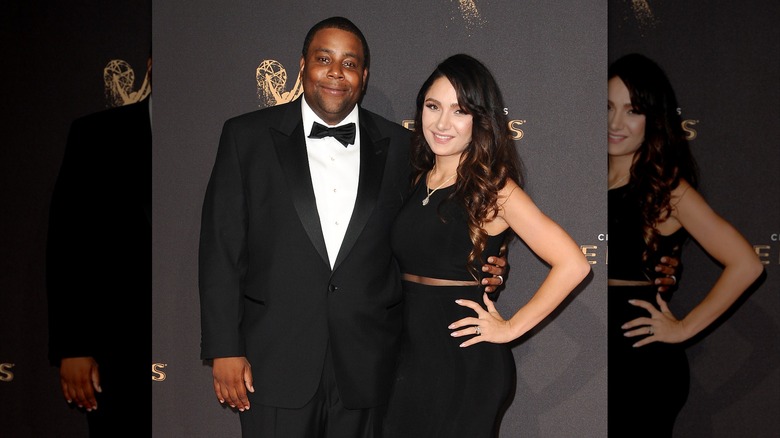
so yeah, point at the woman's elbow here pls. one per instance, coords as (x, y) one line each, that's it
(755, 269)
(581, 268)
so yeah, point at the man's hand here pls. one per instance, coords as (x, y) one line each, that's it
(232, 378)
(497, 267)
(80, 379)
(668, 267)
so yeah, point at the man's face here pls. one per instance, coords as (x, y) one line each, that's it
(333, 74)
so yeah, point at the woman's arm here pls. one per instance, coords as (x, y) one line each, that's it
(741, 265)
(548, 241)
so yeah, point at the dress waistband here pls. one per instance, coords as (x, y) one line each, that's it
(616, 282)
(437, 281)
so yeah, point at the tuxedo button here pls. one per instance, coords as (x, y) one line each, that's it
(333, 288)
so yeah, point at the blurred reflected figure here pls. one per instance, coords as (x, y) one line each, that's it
(99, 270)
(653, 208)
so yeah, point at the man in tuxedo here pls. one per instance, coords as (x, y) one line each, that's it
(98, 270)
(300, 294)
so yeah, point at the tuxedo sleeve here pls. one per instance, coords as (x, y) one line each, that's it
(74, 248)
(222, 253)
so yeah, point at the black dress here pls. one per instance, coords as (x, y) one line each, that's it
(441, 389)
(648, 385)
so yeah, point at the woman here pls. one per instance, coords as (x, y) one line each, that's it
(653, 208)
(467, 201)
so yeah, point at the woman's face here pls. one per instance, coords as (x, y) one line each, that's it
(446, 128)
(626, 126)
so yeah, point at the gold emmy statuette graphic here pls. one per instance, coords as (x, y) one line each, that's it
(643, 13)
(6, 375)
(470, 13)
(271, 78)
(118, 79)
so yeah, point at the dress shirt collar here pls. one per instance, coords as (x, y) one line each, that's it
(309, 117)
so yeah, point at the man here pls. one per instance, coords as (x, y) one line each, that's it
(98, 270)
(300, 294)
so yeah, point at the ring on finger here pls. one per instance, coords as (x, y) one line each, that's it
(500, 279)
(674, 279)
(650, 331)
(477, 331)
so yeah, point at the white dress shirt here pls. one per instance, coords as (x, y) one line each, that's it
(335, 171)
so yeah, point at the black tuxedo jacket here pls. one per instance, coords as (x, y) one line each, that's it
(266, 287)
(98, 268)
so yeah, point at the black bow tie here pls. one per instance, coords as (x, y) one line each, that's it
(344, 133)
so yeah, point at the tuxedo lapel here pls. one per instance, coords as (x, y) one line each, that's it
(291, 149)
(373, 154)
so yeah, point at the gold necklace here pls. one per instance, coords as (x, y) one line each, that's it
(618, 182)
(430, 192)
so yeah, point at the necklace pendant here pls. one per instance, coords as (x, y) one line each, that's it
(426, 200)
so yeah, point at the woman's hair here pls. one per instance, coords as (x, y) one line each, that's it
(488, 161)
(664, 157)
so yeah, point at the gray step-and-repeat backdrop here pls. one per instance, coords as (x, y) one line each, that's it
(723, 60)
(215, 60)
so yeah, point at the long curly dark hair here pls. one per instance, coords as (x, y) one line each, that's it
(488, 161)
(664, 157)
